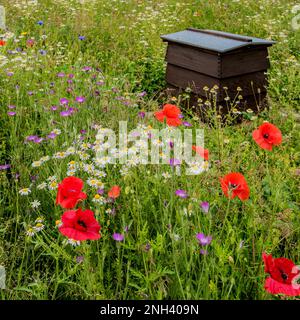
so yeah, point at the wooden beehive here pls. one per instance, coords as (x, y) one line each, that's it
(206, 58)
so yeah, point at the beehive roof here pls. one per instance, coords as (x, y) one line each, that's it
(212, 40)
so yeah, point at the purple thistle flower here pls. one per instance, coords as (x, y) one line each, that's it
(118, 236)
(11, 113)
(203, 240)
(204, 206)
(80, 99)
(181, 193)
(4, 166)
(60, 75)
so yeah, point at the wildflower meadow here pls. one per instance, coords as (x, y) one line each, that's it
(101, 199)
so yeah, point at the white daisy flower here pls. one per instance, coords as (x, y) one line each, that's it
(42, 186)
(39, 227)
(35, 204)
(73, 242)
(25, 191)
(98, 199)
(53, 185)
(36, 164)
(30, 232)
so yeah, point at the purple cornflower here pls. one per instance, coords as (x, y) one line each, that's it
(204, 206)
(4, 166)
(65, 113)
(80, 99)
(79, 259)
(141, 114)
(81, 38)
(31, 138)
(51, 135)
(203, 240)
(181, 193)
(43, 52)
(187, 124)
(60, 75)
(11, 113)
(147, 246)
(9, 74)
(86, 68)
(174, 162)
(38, 140)
(40, 22)
(63, 101)
(118, 236)
(142, 94)
(100, 191)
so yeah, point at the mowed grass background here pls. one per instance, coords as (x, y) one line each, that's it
(160, 257)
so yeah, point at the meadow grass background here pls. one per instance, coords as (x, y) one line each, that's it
(160, 255)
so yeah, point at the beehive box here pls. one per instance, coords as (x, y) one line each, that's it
(204, 58)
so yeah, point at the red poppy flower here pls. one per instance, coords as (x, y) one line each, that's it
(283, 274)
(267, 136)
(70, 192)
(170, 113)
(235, 185)
(80, 225)
(204, 153)
(2, 43)
(114, 192)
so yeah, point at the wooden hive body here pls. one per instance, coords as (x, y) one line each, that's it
(199, 58)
